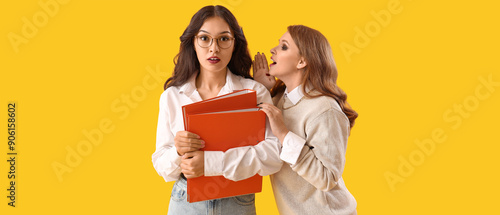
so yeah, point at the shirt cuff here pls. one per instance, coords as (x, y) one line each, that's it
(214, 163)
(292, 146)
(172, 154)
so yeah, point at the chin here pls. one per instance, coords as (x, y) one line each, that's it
(271, 72)
(214, 67)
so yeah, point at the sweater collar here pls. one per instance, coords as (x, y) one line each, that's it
(296, 95)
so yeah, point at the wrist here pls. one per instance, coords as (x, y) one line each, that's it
(281, 136)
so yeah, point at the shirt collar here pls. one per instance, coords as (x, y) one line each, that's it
(232, 83)
(189, 87)
(295, 95)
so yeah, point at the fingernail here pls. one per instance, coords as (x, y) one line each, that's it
(258, 52)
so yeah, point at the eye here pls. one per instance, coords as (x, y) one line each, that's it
(203, 38)
(284, 47)
(223, 39)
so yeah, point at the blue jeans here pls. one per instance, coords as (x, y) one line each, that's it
(244, 204)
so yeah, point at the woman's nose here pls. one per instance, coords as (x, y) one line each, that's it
(215, 46)
(272, 51)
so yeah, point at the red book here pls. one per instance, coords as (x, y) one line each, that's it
(225, 122)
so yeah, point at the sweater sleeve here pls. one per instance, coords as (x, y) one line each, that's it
(321, 161)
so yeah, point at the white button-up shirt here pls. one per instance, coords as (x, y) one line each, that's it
(234, 164)
(292, 143)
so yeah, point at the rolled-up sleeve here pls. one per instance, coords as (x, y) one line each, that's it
(292, 146)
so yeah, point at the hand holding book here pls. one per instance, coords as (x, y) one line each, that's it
(225, 122)
(276, 120)
(186, 141)
(192, 164)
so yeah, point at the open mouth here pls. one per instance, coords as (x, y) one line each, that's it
(272, 64)
(213, 60)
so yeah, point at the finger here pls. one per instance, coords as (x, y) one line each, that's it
(253, 67)
(184, 141)
(191, 143)
(190, 175)
(189, 149)
(264, 60)
(257, 61)
(186, 164)
(187, 173)
(187, 134)
(264, 105)
(192, 135)
(270, 110)
(184, 149)
(187, 155)
(273, 108)
(270, 107)
(184, 167)
(266, 111)
(256, 67)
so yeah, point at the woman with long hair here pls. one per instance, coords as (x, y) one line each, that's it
(213, 60)
(312, 121)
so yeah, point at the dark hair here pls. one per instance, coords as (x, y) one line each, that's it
(320, 72)
(186, 62)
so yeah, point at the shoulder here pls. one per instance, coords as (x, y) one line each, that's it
(169, 94)
(262, 92)
(324, 105)
(248, 83)
(326, 113)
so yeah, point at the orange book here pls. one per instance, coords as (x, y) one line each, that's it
(225, 122)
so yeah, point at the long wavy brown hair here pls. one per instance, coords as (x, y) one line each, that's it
(186, 62)
(320, 72)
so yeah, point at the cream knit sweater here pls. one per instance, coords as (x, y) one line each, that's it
(314, 185)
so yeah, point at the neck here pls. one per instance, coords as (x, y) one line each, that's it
(209, 81)
(293, 81)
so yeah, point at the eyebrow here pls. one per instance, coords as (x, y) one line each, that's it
(224, 32)
(284, 41)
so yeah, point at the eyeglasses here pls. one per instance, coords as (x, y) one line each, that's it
(206, 41)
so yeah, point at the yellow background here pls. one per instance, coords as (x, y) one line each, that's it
(405, 82)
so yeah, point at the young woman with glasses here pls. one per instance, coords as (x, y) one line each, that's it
(213, 60)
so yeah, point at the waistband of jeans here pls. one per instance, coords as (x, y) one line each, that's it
(182, 179)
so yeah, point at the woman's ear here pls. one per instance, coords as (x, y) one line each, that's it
(302, 63)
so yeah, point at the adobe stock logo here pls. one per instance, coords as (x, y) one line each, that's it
(122, 107)
(427, 146)
(39, 20)
(363, 36)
